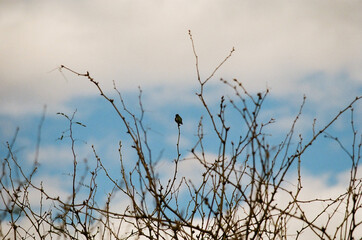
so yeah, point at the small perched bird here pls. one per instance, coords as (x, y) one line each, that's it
(178, 120)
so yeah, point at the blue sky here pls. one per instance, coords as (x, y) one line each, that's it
(291, 47)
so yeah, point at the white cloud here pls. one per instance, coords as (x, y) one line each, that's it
(141, 42)
(318, 187)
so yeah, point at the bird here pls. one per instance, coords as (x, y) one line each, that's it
(178, 119)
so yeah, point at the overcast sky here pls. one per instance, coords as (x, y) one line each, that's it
(310, 47)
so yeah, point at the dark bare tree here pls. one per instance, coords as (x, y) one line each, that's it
(235, 197)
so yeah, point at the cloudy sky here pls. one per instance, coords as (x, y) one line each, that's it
(293, 48)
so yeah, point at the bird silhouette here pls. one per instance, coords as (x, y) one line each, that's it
(178, 120)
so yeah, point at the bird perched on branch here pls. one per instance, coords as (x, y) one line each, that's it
(178, 120)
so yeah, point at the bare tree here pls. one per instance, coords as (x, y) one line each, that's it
(236, 196)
